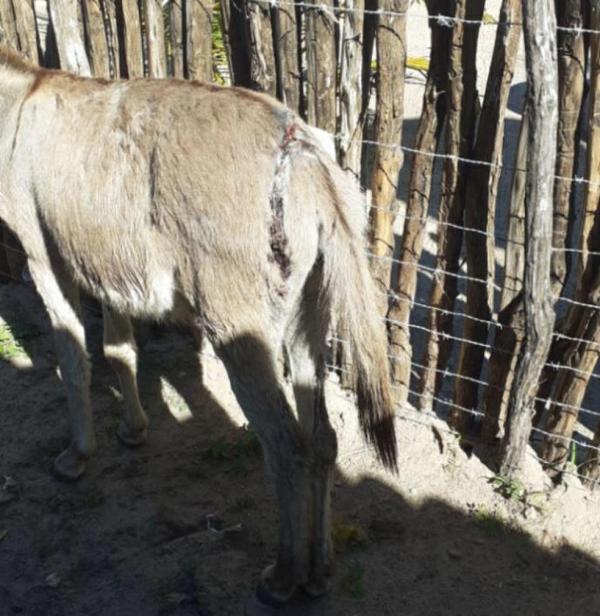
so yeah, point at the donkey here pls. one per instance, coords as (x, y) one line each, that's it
(215, 208)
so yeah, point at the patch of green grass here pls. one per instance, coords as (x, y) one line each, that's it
(490, 522)
(347, 536)
(512, 489)
(353, 581)
(243, 446)
(11, 342)
(573, 454)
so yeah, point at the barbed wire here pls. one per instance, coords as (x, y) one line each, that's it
(446, 21)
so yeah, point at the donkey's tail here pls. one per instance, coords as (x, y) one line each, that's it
(349, 290)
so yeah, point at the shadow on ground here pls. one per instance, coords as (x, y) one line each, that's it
(184, 524)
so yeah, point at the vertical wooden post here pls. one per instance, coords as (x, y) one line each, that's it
(571, 73)
(389, 114)
(572, 53)
(7, 22)
(321, 65)
(350, 96)
(109, 11)
(286, 49)
(511, 316)
(97, 39)
(177, 38)
(514, 266)
(480, 210)
(462, 112)
(261, 51)
(581, 322)
(155, 39)
(25, 24)
(542, 76)
(198, 47)
(132, 38)
(426, 142)
(592, 189)
(67, 21)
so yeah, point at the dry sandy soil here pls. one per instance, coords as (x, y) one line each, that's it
(184, 524)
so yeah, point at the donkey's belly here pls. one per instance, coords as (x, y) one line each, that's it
(133, 276)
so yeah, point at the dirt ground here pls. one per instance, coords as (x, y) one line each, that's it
(184, 524)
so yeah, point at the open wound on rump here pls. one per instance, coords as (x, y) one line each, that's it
(278, 239)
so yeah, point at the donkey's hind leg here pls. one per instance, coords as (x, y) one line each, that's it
(121, 351)
(251, 363)
(305, 345)
(61, 298)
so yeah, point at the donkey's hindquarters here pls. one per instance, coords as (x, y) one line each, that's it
(328, 278)
(222, 212)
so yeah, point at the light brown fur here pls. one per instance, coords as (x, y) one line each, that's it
(217, 208)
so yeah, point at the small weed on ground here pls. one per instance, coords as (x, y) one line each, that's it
(347, 537)
(243, 446)
(353, 581)
(490, 522)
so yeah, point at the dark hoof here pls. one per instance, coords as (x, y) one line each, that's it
(299, 605)
(318, 589)
(69, 465)
(130, 437)
(276, 586)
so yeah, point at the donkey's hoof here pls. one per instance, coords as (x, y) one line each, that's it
(130, 437)
(317, 588)
(69, 465)
(274, 590)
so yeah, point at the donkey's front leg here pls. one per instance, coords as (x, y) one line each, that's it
(61, 298)
(121, 351)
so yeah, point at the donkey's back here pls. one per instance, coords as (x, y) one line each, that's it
(136, 182)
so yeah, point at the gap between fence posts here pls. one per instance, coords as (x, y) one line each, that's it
(542, 76)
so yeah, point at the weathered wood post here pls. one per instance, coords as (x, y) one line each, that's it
(67, 20)
(350, 84)
(391, 60)
(480, 212)
(321, 65)
(460, 124)
(286, 42)
(155, 39)
(260, 46)
(25, 24)
(131, 35)
(177, 38)
(542, 76)
(8, 27)
(97, 39)
(570, 15)
(198, 41)
(417, 205)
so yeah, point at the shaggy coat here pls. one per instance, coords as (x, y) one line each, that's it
(214, 207)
